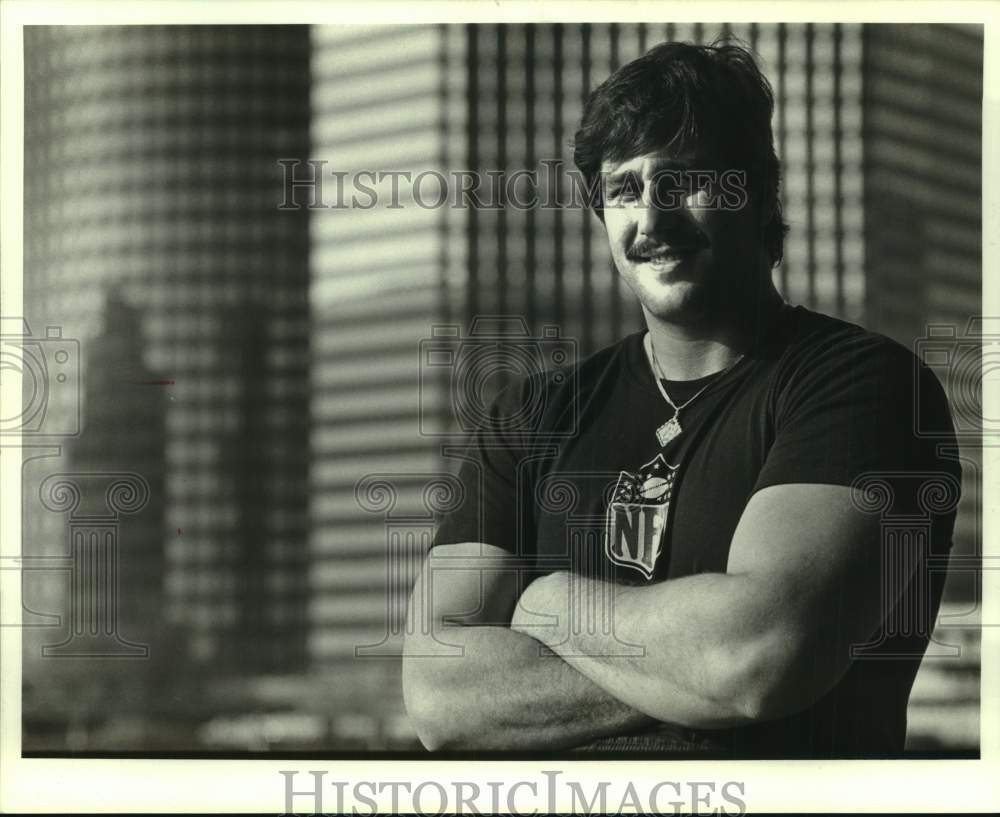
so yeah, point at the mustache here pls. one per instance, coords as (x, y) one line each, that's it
(648, 247)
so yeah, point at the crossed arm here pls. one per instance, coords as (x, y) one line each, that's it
(471, 682)
(766, 638)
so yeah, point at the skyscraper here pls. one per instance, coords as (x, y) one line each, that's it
(152, 187)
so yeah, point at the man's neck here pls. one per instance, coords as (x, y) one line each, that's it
(688, 352)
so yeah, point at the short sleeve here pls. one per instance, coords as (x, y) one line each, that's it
(494, 471)
(861, 406)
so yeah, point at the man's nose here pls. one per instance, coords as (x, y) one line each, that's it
(662, 214)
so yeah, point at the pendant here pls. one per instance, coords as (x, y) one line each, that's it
(669, 431)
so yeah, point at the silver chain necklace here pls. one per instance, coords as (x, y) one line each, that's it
(672, 429)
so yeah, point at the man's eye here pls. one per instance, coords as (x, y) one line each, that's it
(624, 192)
(698, 183)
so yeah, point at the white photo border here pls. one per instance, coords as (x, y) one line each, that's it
(208, 786)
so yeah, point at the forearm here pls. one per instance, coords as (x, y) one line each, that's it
(690, 648)
(503, 693)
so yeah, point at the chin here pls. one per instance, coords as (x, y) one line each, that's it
(676, 302)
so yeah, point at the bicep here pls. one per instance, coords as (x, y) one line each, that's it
(814, 560)
(468, 583)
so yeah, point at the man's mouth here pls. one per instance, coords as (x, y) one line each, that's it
(664, 256)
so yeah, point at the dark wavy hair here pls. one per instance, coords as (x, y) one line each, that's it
(683, 96)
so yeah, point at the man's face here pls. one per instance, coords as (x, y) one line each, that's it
(675, 236)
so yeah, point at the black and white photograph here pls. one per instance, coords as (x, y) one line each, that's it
(504, 389)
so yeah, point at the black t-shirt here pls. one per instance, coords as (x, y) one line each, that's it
(580, 482)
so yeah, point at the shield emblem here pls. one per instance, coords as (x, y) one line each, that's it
(637, 516)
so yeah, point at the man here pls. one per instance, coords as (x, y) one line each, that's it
(673, 559)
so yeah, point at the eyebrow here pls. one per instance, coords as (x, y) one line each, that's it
(661, 165)
(619, 176)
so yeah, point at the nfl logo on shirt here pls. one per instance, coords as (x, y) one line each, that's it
(637, 516)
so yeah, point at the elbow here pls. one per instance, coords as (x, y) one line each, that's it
(771, 678)
(423, 721)
(437, 724)
(758, 697)
(434, 728)
(428, 730)
(423, 708)
(433, 707)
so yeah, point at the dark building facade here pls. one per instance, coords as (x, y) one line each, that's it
(152, 236)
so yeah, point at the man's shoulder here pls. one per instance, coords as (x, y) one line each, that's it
(818, 328)
(827, 355)
(584, 373)
(549, 399)
(614, 357)
(818, 339)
